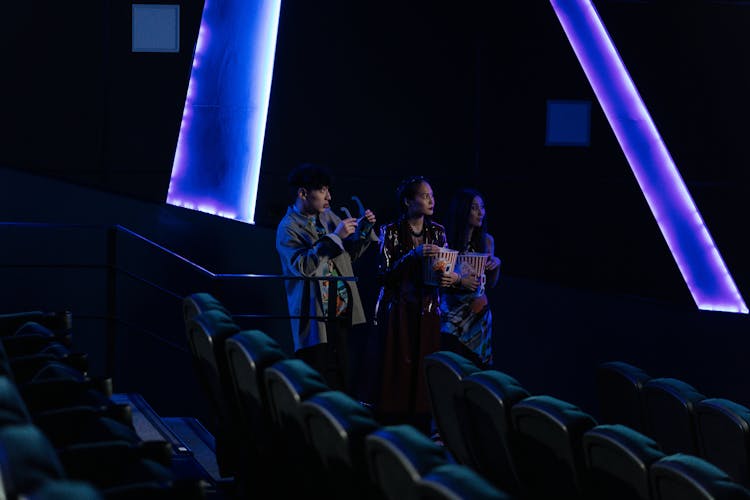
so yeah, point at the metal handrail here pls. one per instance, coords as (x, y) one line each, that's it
(113, 270)
(230, 275)
(112, 265)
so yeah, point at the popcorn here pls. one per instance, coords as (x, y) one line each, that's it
(440, 265)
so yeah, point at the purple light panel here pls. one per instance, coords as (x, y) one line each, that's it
(217, 159)
(694, 251)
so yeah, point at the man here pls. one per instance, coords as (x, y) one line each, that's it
(312, 241)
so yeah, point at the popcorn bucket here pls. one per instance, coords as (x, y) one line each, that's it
(473, 264)
(444, 260)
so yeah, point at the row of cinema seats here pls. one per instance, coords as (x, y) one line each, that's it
(61, 435)
(678, 417)
(540, 447)
(283, 433)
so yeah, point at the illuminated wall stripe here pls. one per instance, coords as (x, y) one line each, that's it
(217, 160)
(697, 257)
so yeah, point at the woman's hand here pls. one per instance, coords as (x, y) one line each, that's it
(426, 250)
(470, 282)
(449, 278)
(492, 263)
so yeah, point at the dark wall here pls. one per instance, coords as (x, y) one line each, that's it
(460, 95)
(382, 90)
(550, 337)
(81, 106)
(65, 257)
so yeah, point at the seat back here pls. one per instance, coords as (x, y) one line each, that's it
(489, 395)
(455, 482)
(686, 477)
(724, 436)
(288, 384)
(337, 426)
(619, 387)
(444, 372)
(5, 368)
(550, 459)
(618, 460)
(11, 322)
(59, 489)
(12, 408)
(669, 404)
(206, 334)
(27, 460)
(249, 354)
(398, 456)
(197, 303)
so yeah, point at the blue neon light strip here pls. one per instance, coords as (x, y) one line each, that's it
(217, 160)
(697, 257)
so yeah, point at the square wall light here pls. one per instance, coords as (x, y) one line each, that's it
(568, 123)
(156, 28)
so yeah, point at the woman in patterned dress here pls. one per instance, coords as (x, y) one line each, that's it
(466, 319)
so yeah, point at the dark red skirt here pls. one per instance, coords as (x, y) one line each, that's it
(412, 331)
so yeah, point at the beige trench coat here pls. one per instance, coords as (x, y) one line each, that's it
(304, 253)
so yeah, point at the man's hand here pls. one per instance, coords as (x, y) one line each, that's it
(370, 216)
(346, 227)
(366, 223)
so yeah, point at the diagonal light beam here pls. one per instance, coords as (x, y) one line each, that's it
(217, 159)
(695, 252)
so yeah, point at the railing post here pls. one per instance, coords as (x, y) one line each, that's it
(332, 299)
(111, 329)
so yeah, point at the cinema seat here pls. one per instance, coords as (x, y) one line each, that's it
(57, 321)
(27, 460)
(206, 334)
(33, 338)
(669, 405)
(398, 457)
(618, 460)
(723, 430)
(13, 410)
(337, 426)
(619, 388)
(444, 372)
(29, 467)
(43, 357)
(489, 396)
(455, 482)
(249, 354)
(550, 459)
(56, 393)
(156, 490)
(686, 477)
(63, 489)
(78, 425)
(288, 384)
(198, 303)
(110, 464)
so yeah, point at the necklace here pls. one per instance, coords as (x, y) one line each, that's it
(416, 234)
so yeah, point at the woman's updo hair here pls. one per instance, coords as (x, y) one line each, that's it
(407, 189)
